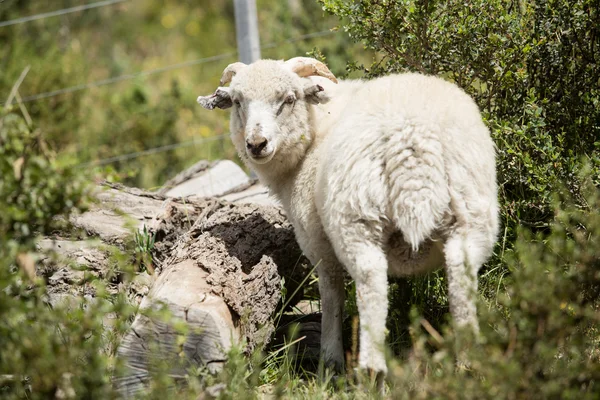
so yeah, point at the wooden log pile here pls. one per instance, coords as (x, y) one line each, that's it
(218, 261)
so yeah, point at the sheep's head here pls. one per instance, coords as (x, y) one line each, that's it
(270, 115)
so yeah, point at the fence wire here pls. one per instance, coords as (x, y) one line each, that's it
(171, 67)
(154, 150)
(60, 12)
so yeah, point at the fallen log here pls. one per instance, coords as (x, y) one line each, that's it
(221, 267)
(218, 270)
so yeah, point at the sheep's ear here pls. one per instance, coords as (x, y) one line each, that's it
(315, 93)
(221, 98)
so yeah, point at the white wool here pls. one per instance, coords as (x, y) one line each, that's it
(390, 176)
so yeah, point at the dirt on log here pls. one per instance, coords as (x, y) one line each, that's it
(221, 267)
(245, 249)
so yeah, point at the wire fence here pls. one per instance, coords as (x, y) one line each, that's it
(121, 78)
(103, 82)
(60, 12)
(147, 152)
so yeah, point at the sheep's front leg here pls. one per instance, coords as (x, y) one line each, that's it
(367, 264)
(370, 274)
(331, 289)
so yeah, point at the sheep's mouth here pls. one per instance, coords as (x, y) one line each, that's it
(261, 158)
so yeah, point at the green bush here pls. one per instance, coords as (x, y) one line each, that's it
(46, 351)
(34, 186)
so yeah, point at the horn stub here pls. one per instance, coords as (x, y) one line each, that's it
(306, 66)
(230, 71)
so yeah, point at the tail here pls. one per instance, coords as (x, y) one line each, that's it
(418, 186)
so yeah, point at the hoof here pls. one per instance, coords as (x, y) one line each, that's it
(377, 381)
(371, 381)
(331, 370)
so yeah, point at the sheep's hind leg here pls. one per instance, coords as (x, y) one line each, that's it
(461, 269)
(463, 260)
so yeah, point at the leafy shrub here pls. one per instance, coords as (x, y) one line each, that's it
(44, 348)
(534, 70)
(34, 187)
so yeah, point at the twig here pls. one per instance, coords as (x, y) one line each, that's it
(13, 91)
(24, 110)
(432, 331)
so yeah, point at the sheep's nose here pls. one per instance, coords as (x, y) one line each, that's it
(256, 145)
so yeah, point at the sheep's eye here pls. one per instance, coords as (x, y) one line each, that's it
(288, 100)
(236, 102)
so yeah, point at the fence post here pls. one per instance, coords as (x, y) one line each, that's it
(246, 28)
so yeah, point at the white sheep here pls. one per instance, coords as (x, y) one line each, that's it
(390, 176)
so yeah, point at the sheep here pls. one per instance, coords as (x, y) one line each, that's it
(392, 176)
